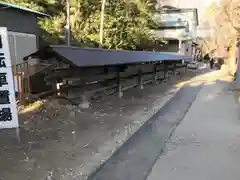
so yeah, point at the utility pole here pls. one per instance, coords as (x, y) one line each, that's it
(102, 22)
(68, 26)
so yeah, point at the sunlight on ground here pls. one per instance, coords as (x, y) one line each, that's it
(198, 80)
(207, 78)
(32, 107)
(210, 82)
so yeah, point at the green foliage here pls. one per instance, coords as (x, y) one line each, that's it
(126, 22)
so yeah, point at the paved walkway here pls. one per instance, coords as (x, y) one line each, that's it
(206, 144)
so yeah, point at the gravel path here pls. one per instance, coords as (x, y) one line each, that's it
(65, 142)
(135, 158)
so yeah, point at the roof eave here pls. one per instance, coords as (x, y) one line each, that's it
(8, 5)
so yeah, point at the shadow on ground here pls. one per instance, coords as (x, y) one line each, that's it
(134, 160)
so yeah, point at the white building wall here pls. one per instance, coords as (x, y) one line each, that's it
(171, 33)
(180, 17)
(21, 45)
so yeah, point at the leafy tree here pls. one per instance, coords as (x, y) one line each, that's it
(224, 19)
(126, 24)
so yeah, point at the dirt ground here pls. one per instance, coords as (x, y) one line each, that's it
(65, 142)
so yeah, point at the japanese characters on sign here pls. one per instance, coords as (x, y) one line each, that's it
(8, 109)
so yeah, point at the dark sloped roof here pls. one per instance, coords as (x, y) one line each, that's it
(4, 4)
(87, 57)
(100, 57)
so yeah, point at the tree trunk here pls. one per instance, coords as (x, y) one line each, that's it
(232, 67)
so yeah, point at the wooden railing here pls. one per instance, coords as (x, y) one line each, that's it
(21, 81)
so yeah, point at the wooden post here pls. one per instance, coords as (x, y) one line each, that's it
(58, 88)
(66, 85)
(179, 46)
(28, 79)
(155, 74)
(174, 69)
(186, 67)
(119, 85)
(165, 70)
(140, 84)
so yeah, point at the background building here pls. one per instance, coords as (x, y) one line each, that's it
(199, 5)
(178, 27)
(23, 30)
